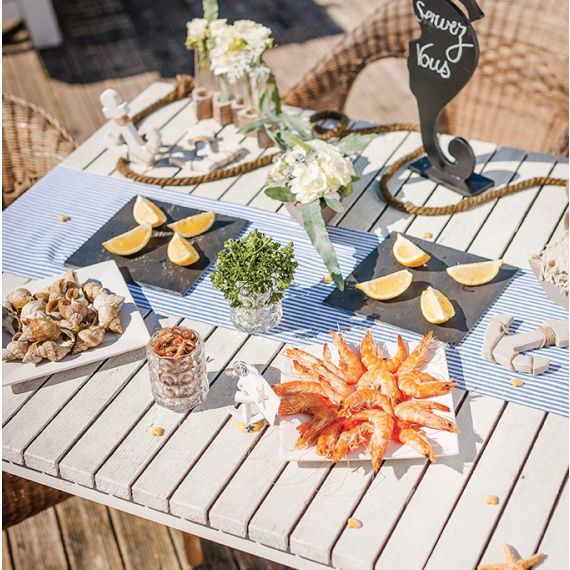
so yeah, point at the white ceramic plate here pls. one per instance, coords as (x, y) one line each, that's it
(135, 334)
(444, 443)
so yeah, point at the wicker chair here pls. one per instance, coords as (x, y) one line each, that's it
(517, 97)
(33, 142)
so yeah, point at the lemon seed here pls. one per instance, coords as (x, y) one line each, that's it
(517, 383)
(353, 523)
(64, 218)
(492, 500)
(157, 431)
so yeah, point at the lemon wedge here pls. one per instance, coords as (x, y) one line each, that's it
(181, 252)
(436, 307)
(475, 273)
(130, 242)
(147, 212)
(194, 225)
(387, 287)
(408, 253)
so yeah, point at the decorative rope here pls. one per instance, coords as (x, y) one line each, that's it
(183, 88)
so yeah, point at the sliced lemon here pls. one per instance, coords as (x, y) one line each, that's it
(408, 253)
(130, 242)
(194, 225)
(147, 212)
(181, 252)
(436, 307)
(387, 287)
(475, 273)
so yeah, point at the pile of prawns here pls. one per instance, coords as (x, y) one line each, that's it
(366, 400)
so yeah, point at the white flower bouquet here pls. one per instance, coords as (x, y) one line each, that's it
(313, 174)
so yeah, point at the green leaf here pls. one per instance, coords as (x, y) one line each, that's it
(210, 8)
(334, 204)
(317, 232)
(354, 143)
(280, 193)
(297, 124)
(275, 95)
(346, 190)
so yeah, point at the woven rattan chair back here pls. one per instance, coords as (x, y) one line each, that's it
(518, 96)
(33, 142)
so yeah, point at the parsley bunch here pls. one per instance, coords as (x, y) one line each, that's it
(254, 263)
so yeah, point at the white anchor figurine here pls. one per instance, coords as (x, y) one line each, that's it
(255, 399)
(134, 148)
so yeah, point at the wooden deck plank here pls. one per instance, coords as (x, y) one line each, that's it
(6, 557)
(555, 541)
(143, 544)
(87, 535)
(134, 452)
(528, 509)
(495, 474)
(36, 543)
(541, 220)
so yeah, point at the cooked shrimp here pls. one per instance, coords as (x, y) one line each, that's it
(350, 364)
(336, 382)
(417, 358)
(412, 436)
(328, 361)
(298, 387)
(378, 377)
(392, 364)
(420, 412)
(328, 438)
(365, 399)
(382, 424)
(352, 439)
(301, 356)
(310, 376)
(421, 385)
(369, 350)
(323, 412)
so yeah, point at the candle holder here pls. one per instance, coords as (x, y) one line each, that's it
(177, 368)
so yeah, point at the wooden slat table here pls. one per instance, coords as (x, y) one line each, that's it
(87, 430)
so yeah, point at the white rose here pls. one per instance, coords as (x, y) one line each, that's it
(337, 168)
(196, 30)
(309, 182)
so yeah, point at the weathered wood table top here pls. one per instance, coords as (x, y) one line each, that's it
(87, 431)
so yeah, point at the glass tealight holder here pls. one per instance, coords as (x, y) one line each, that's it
(177, 368)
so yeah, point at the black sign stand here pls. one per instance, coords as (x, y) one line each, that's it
(441, 63)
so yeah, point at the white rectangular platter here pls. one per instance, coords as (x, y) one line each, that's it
(135, 334)
(444, 443)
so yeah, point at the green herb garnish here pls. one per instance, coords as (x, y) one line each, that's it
(255, 263)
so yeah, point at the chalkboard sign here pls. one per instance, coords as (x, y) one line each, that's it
(441, 63)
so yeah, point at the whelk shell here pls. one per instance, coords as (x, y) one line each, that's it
(92, 289)
(109, 317)
(31, 309)
(41, 329)
(52, 350)
(19, 297)
(10, 321)
(89, 338)
(42, 296)
(32, 354)
(15, 350)
(108, 299)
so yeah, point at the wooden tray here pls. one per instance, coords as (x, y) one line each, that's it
(470, 302)
(151, 266)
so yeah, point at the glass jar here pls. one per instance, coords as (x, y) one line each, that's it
(256, 314)
(177, 368)
(203, 76)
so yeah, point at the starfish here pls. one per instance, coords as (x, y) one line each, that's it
(511, 561)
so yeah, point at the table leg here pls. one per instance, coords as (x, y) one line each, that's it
(193, 549)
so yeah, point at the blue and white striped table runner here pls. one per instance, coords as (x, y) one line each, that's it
(36, 244)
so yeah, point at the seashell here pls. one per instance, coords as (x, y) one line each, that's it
(19, 297)
(42, 296)
(89, 338)
(16, 349)
(53, 351)
(40, 329)
(52, 308)
(10, 321)
(32, 354)
(92, 316)
(109, 317)
(111, 299)
(92, 289)
(34, 307)
(74, 294)
(67, 337)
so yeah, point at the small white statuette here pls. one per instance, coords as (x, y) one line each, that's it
(134, 147)
(255, 399)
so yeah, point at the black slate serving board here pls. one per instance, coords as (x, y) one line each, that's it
(469, 302)
(151, 266)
